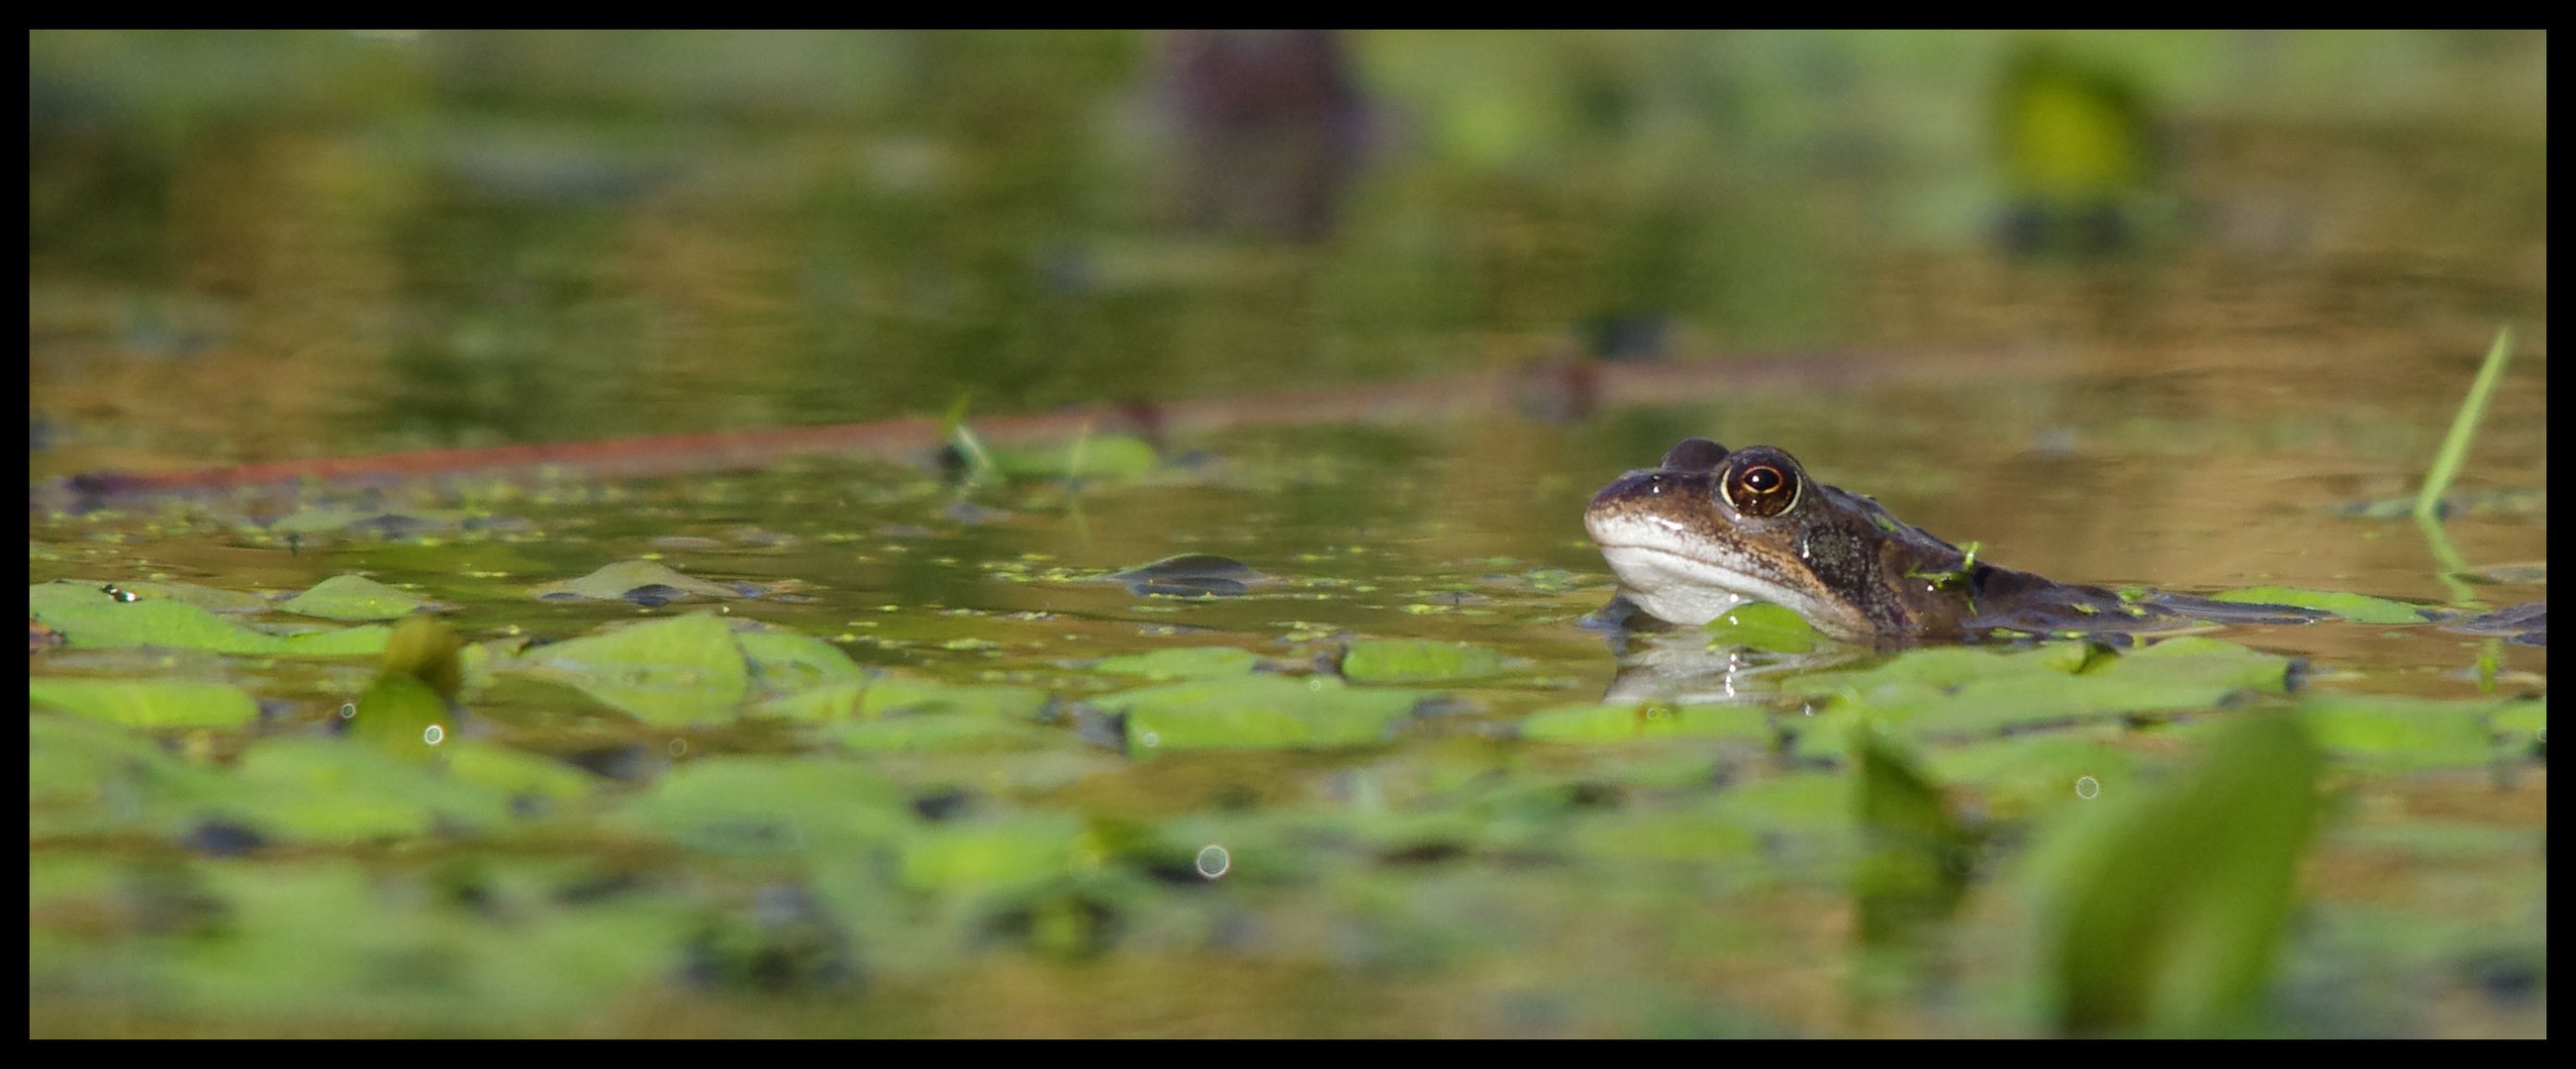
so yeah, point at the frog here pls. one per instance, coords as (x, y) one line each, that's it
(1709, 529)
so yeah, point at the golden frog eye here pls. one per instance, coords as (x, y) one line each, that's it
(1760, 488)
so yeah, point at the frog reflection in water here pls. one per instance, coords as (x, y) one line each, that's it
(1710, 529)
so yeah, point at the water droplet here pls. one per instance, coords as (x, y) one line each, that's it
(679, 746)
(434, 735)
(1214, 861)
(348, 710)
(1151, 740)
(2086, 787)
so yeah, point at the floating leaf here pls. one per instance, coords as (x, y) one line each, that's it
(1964, 692)
(643, 582)
(748, 804)
(324, 791)
(1612, 723)
(1256, 712)
(1387, 661)
(353, 597)
(1761, 625)
(945, 733)
(147, 703)
(516, 773)
(879, 695)
(2403, 732)
(1190, 575)
(89, 618)
(672, 671)
(2359, 608)
(1011, 854)
(785, 660)
(1189, 662)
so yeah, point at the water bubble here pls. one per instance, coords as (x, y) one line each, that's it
(1213, 861)
(1151, 740)
(679, 747)
(348, 710)
(2086, 787)
(434, 735)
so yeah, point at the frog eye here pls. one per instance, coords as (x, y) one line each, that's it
(1758, 487)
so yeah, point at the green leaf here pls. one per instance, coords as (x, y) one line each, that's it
(1761, 626)
(147, 703)
(326, 791)
(2167, 903)
(1614, 723)
(1104, 457)
(1188, 662)
(670, 672)
(1256, 712)
(945, 733)
(92, 619)
(353, 597)
(516, 773)
(1011, 854)
(786, 660)
(1914, 864)
(2394, 731)
(1391, 661)
(628, 580)
(2358, 608)
(763, 805)
(879, 695)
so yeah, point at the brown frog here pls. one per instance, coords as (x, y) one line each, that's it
(1712, 528)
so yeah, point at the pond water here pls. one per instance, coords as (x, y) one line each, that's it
(875, 744)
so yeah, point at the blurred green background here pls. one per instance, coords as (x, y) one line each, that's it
(265, 245)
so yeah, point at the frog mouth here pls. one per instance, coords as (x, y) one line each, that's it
(1685, 578)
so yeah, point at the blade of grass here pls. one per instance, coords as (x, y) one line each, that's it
(2453, 454)
(2464, 427)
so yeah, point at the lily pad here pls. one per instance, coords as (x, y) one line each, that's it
(2359, 608)
(879, 695)
(89, 618)
(326, 791)
(944, 733)
(644, 582)
(674, 671)
(764, 805)
(353, 597)
(1390, 661)
(1761, 625)
(1190, 575)
(2389, 730)
(1189, 662)
(1613, 723)
(1969, 693)
(1256, 712)
(785, 660)
(147, 703)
